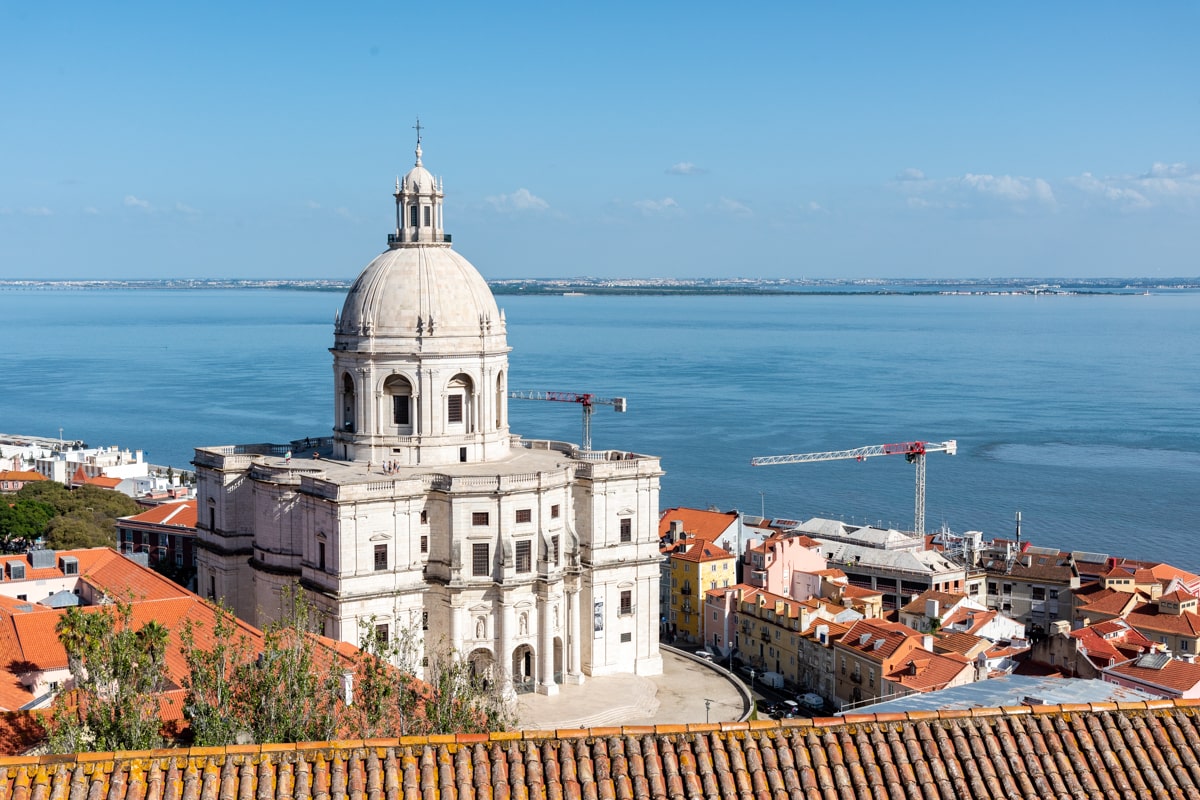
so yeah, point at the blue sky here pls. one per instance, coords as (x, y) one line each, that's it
(150, 139)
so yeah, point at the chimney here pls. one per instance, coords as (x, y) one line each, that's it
(675, 531)
(348, 687)
(1060, 627)
(878, 644)
(823, 634)
(927, 642)
(932, 608)
(864, 638)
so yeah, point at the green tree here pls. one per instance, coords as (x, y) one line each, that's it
(84, 517)
(451, 698)
(376, 690)
(22, 522)
(287, 693)
(210, 679)
(118, 673)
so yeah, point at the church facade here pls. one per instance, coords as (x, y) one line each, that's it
(422, 514)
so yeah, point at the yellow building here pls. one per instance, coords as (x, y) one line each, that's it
(696, 566)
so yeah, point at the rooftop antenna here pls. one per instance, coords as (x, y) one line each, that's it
(1018, 529)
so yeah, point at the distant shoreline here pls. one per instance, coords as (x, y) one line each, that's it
(711, 287)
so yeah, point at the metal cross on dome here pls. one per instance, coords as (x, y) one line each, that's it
(418, 129)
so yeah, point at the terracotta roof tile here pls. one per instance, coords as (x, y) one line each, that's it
(707, 525)
(1140, 750)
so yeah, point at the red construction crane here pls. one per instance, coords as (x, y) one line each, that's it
(585, 399)
(913, 452)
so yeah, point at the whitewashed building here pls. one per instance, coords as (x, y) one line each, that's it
(535, 559)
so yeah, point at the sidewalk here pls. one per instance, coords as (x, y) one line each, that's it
(676, 697)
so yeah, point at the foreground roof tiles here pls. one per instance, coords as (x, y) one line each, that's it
(1109, 750)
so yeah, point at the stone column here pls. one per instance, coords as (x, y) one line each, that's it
(545, 643)
(574, 629)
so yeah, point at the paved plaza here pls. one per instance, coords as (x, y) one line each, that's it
(678, 696)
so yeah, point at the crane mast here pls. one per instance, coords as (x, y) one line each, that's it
(913, 452)
(585, 399)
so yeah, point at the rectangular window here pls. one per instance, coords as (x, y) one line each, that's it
(1039, 593)
(626, 529)
(400, 410)
(523, 556)
(424, 620)
(626, 637)
(413, 219)
(626, 607)
(1054, 594)
(479, 518)
(424, 544)
(991, 588)
(454, 408)
(427, 213)
(380, 557)
(16, 572)
(382, 633)
(424, 517)
(321, 555)
(481, 565)
(524, 515)
(554, 511)
(554, 550)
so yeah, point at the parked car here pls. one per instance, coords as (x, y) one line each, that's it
(813, 701)
(705, 653)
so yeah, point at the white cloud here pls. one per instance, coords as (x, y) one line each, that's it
(814, 206)
(37, 211)
(345, 213)
(1009, 187)
(651, 207)
(91, 211)
(731, 206)
(520, 200)
(685, 168)
(135, 202)
(313, 204)
(183, 208)
(1011, 192)
(1175, 184)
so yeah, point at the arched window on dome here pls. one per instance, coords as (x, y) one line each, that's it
(460, 404)
(398, 394)
(501, 401)
(347, 403)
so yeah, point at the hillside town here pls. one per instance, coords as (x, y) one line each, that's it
(838, 617)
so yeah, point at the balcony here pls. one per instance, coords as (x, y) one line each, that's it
(856, 677)
(686, 590)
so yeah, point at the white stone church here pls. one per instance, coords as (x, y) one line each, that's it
(535, 559)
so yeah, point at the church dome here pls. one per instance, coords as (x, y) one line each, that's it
(420, 291)
(419, 179)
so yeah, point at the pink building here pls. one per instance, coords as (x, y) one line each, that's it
(785, 565)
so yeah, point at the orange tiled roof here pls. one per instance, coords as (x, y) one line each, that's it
(1143, 749)
(1174, 675)
(933, 671)
(893, 636)
(701, 524)
(21, 475)
(176, 514)
(700, 550)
